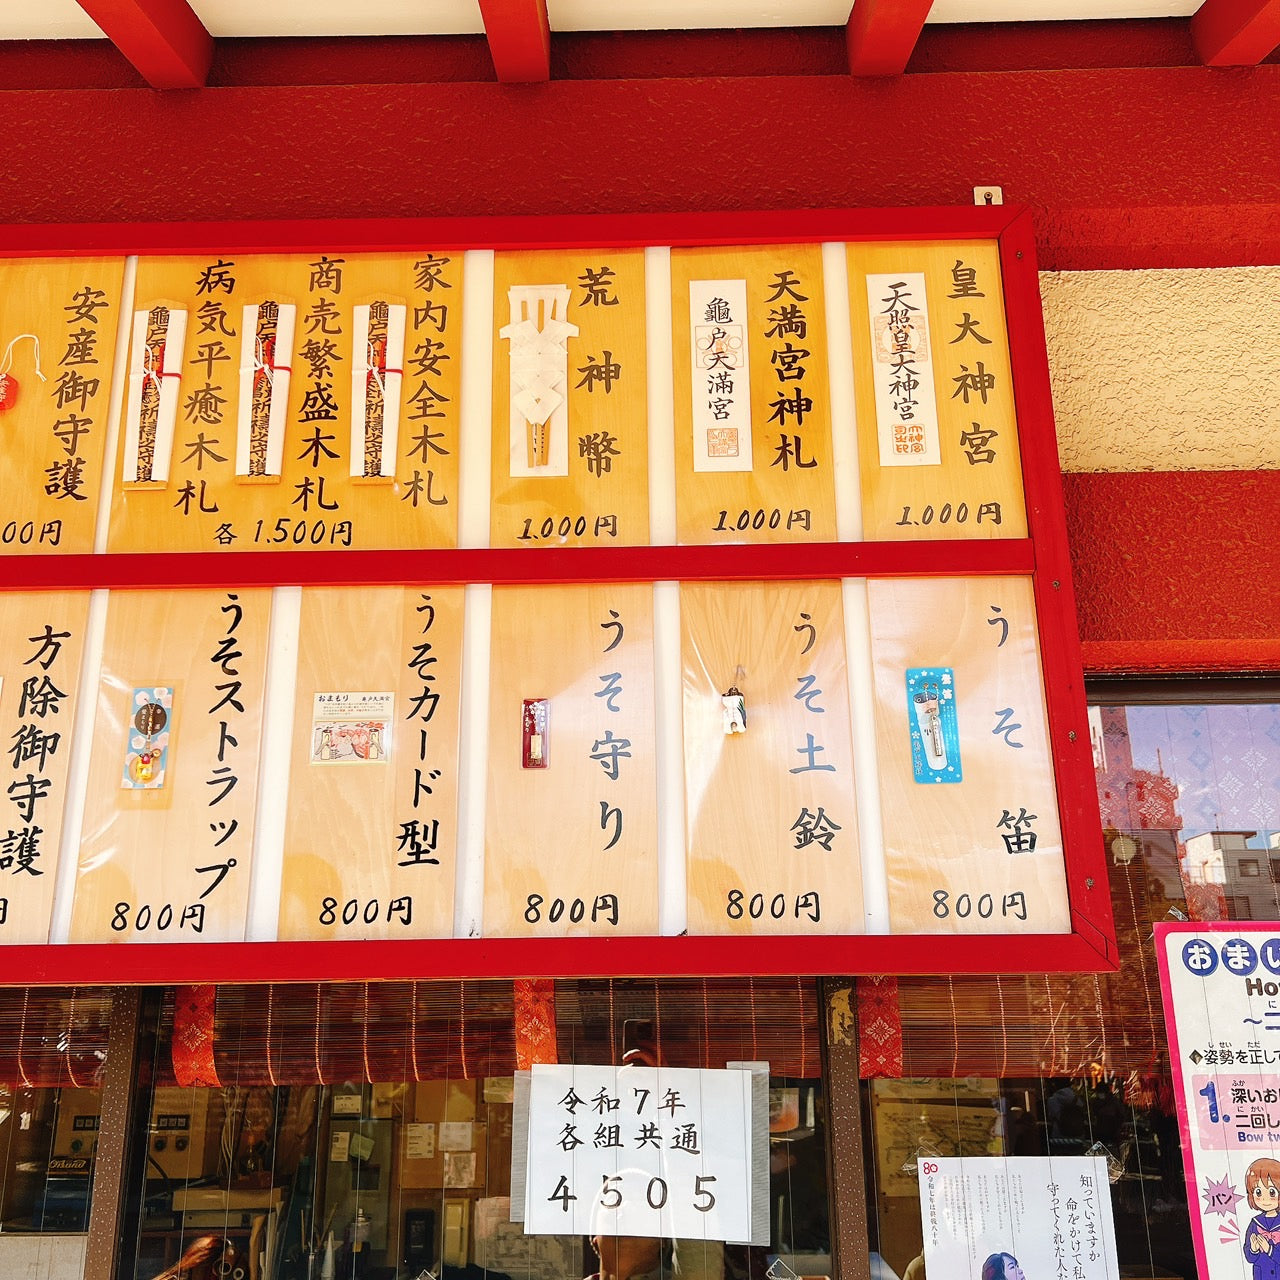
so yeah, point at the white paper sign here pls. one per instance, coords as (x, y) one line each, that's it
(455, 1135)
(340, 1146)
(639, 1151)
(1221, 986)
(721, 375)
(420, 1141)
(1042, 1213)
(902, 370)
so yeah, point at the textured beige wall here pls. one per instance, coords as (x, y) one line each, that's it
(1165, 370)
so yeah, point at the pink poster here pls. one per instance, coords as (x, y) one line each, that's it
(1221, 988)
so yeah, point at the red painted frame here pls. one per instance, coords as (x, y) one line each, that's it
(1091, 945)
(164, 39)
(1235, 33)
(519, 35)
(881, 35)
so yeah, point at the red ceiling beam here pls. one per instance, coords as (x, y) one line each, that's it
(165, 41)
(882, 34)
(519, 35)
(1235, 33)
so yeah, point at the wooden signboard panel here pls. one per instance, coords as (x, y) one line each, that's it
(41, 639)
(58, 319)
(571, 847)
(375, 751)
(570, 418)
(311, 403)
(771, 818)
(307, 371)
(171, 861)
(753, 418)
(934, 366)
(982, 854)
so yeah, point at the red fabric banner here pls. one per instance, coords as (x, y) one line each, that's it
(535, 1019)
(193, 1011)
(879, 1028)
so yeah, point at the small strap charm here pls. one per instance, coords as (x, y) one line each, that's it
(8, 383)
(147, 739)
(149, 721)
(929, 716)
(734, 707)
(534, 724)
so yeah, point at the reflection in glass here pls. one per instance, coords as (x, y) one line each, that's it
(370, 1134)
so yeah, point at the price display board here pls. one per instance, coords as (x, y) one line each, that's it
(298, 400)
(972, 835)
(938, 450)
(752, 396)
(570, 394)
(58, 323)
(375, 749)
(709, 584)
(41, 638)
(771, 817)
(571, 812)
(171, 803)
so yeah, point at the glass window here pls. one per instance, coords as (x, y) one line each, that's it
(1205, 779)
(1189, 794)
(52, 1052)
(366, 1131)
(48, 1141)
(1129, 1121)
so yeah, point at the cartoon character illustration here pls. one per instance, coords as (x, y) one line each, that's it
(1002, 1266)
(1262, 1236)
